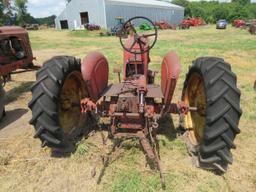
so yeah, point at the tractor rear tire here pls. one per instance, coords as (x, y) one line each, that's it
(55, 103)
(210, 131)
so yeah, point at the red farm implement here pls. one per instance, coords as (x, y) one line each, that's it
(15, 53)
(70, 96)
(239, 23)
(192, 22)
(164, 25)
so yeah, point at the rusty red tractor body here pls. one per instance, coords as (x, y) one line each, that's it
(71, 96)
(15, 50)
(15, 53)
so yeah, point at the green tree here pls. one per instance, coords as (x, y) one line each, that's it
(196, 11)
(30, 19)
(46, 20)
(251, 10)
(6, 11)
(183, 3)
(238, 12)
(241, 2)
(220, 13)
(21, 8)
(1, 13)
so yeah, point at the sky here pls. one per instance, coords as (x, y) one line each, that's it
(45, 8)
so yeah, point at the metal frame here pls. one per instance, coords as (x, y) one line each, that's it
(130, 107)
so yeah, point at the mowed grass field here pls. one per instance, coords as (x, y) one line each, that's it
(24, 166)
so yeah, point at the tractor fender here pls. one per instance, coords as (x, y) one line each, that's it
(95, 71)
(171, 68)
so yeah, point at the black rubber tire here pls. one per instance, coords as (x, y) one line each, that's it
(222, 114)
(44, 103)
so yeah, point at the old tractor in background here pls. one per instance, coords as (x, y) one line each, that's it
(165, 25)
(71, 97)
(252, 28)
(239, 23)
(15, 53)
(115, 30)
(249, 24)
(191, 22)
(145, 27)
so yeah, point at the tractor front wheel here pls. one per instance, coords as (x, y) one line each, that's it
(210, 86)
(55, 104)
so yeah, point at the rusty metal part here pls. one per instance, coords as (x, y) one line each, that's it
(149, 111)
(95, 70)
(87, 105)
(127, 104)
(149, 147)
(106, 158)
(146, 145)
(13, 66)
(118, 71)
(153, 140)
(73, 90)
(170, 74)
(126, 114)
(153, 91)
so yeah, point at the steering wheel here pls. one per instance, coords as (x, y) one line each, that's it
(129, 28)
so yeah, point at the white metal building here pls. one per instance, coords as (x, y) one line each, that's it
(104, 12)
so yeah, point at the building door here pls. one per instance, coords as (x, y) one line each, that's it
(64, 24)
(84, 18)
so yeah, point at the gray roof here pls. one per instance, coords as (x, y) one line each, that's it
(146, 3)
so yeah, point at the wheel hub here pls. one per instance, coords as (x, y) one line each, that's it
(195, 96)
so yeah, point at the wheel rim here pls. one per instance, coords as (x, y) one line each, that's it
(73, 90)
(195, 96)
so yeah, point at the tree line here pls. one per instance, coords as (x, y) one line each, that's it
(14, 12)
(213, 11)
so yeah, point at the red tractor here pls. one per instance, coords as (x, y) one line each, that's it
(71, 97)
(239, 23)
(15, 53)
(193, 22)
